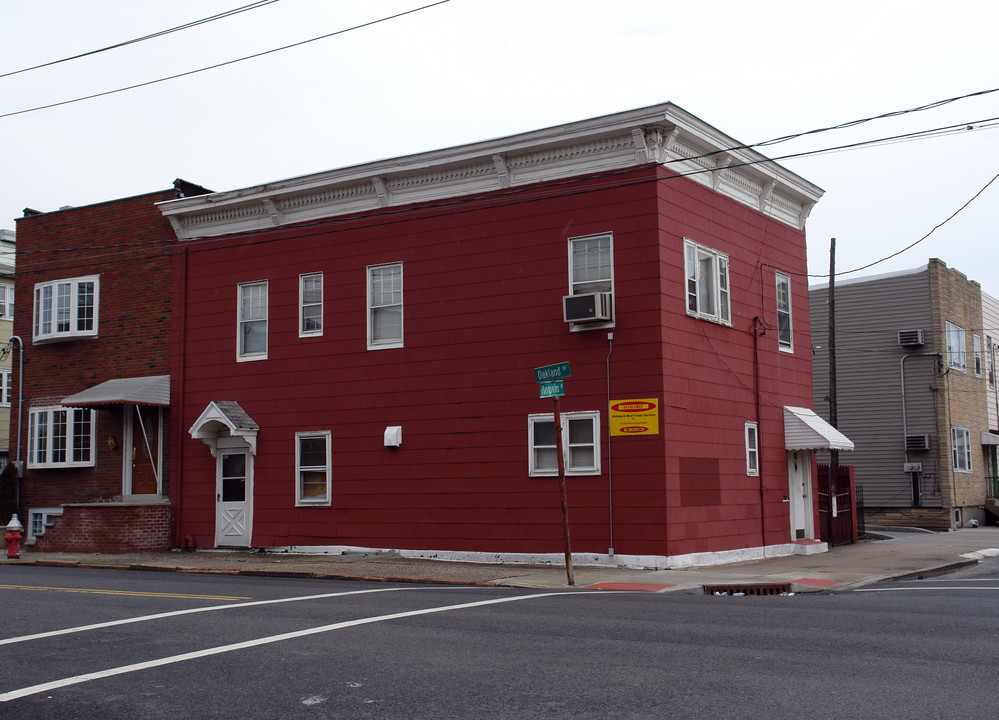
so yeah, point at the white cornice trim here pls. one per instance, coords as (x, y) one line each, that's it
(662, 133)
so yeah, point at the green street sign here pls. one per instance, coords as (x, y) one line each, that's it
(559, 371)
(554, 388)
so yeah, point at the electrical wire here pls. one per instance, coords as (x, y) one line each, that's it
(160, 33)
(224, 64)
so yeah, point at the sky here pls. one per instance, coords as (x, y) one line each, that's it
(461, 71)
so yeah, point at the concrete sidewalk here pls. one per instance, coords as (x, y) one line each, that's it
(898, 555)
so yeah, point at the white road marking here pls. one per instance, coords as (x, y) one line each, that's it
(910, 589)
(191, 611)
(111, 672)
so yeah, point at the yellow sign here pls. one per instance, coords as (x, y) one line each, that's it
(634, 417)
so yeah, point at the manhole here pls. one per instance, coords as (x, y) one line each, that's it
(749, 589)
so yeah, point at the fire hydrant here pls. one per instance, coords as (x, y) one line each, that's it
(13, 537)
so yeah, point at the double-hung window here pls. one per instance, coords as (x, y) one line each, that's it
(785, 341)
(61, 437)
(313, 467)
(580, 444)
(385, 306)
(707, 283)
(6, 301)
(977, 345)
(251, 340)
(956, 348)
(310, 304)
(960, 441)
(752, 449)
(5, 390)
(66, 309)
(591, 268)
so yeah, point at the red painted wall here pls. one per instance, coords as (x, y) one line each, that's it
(129, 244)
(483, 282)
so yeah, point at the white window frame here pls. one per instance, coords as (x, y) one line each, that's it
(752, 435)
(960, 440)
(6, 378)
(956, 347)
(785, 331)
(44, 457)
(6, 301)
(243, 322)
(43, 514)
(300, 499)
(586, 277)
(303, 331)
(694, 255)
(977, 345)
(377, 305)
(592, 416)
(46, 313)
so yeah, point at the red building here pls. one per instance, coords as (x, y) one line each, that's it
(93, 288)
(354, 351)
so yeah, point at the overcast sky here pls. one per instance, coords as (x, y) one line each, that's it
(468, 70)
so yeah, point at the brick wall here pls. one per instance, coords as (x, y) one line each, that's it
(108, 528)
(128, 243)
(962, 395)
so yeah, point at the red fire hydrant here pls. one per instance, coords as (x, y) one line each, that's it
(13, 537)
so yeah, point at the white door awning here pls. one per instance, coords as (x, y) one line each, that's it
(805, 430)
(152, 390)
(989, 438)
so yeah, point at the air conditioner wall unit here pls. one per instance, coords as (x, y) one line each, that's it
(587, 307)
(917, 442)
(910, 337)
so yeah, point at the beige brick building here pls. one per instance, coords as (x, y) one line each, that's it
(912, 389)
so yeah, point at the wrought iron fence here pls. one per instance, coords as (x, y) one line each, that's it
(992, 487)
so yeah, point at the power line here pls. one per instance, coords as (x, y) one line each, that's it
(608, 180)
(223, 64)
(160, 33)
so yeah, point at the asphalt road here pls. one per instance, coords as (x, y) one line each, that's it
(83, 643)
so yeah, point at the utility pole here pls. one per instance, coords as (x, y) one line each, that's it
(833, 419)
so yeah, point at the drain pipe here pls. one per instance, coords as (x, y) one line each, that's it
(610, 457)
(757, 331)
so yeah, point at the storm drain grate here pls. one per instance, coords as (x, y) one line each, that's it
(750, 589)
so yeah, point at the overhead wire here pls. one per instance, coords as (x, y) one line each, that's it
(609, 180)
(160, 33)
(223, 64)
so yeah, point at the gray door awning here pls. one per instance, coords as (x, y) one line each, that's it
(989, 438)
(804, 430)
(152, 390)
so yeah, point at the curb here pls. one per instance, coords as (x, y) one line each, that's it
(292, 574)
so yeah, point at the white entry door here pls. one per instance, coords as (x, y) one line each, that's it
(234, 497)
(799, 478)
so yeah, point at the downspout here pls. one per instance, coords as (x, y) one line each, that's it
(905, 430)
(610, 458)
(759, 429)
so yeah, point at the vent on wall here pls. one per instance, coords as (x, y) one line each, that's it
(917, 442)
(910, 337)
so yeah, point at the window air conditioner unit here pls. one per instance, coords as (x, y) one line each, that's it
(586, 308)
(917, 442)
(910, 337)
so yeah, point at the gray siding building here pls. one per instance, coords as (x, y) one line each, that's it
(912, 392)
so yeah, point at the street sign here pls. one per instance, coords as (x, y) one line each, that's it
(555, 388)
(558, 371)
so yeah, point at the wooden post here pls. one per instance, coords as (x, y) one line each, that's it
(833, 405)
(562, 494)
